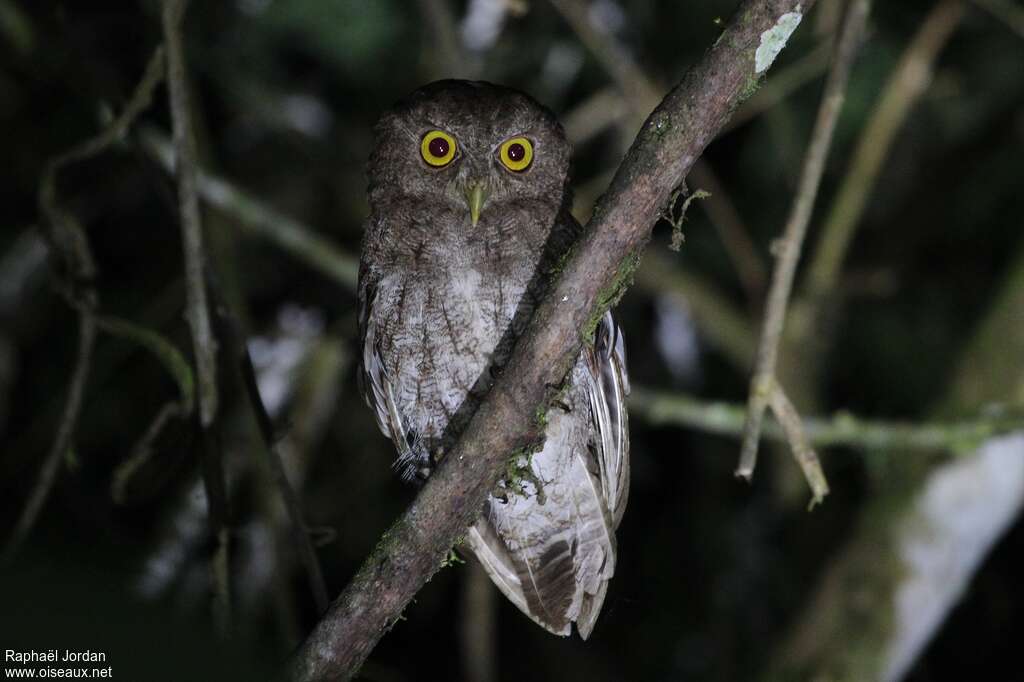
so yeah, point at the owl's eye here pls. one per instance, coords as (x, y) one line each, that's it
(516, 154)
(437, 148)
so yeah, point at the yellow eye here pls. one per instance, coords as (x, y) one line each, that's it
(437, 148)
(516, 154)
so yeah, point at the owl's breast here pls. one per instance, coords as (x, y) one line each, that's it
(441, 333)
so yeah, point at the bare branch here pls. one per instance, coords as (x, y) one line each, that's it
(594, 277)
(763, 382)
(804, 454)
(204, 345)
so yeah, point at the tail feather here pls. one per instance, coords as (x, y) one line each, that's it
(552, 554)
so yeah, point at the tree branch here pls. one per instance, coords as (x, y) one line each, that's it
(843, 429)
(764, 388)
(204, 345)
(593, 279)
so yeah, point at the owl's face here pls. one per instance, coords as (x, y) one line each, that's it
(469, 150)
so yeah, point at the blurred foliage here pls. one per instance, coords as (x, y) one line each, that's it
(286, 93)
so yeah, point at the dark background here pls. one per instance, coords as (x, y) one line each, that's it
(712, 573)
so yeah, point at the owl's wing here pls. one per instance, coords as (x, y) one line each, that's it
(553, 554)
(608, 387)
(550, 547)
(376, 387)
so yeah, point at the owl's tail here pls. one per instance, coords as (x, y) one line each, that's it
(551, 549)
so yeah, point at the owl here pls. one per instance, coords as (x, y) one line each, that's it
(469, 199)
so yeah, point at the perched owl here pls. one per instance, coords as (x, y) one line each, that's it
(469, 216)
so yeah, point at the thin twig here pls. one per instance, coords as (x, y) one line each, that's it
(592, 279)
(804, 454)
(204, 344)
(763, 381)
(907, 83)
(842, 429)
(68, 240)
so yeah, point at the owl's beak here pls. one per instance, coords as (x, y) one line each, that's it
(476, 195)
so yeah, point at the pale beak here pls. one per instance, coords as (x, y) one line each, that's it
(476, 195)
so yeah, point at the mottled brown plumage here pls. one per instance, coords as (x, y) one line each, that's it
(443, 296)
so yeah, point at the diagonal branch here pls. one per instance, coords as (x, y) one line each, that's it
(764, 388)
(595, 276)
(804, 454)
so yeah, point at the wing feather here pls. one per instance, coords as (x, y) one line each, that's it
(608, 386)
(377, 389)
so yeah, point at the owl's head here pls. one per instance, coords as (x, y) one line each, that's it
(471, 145)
